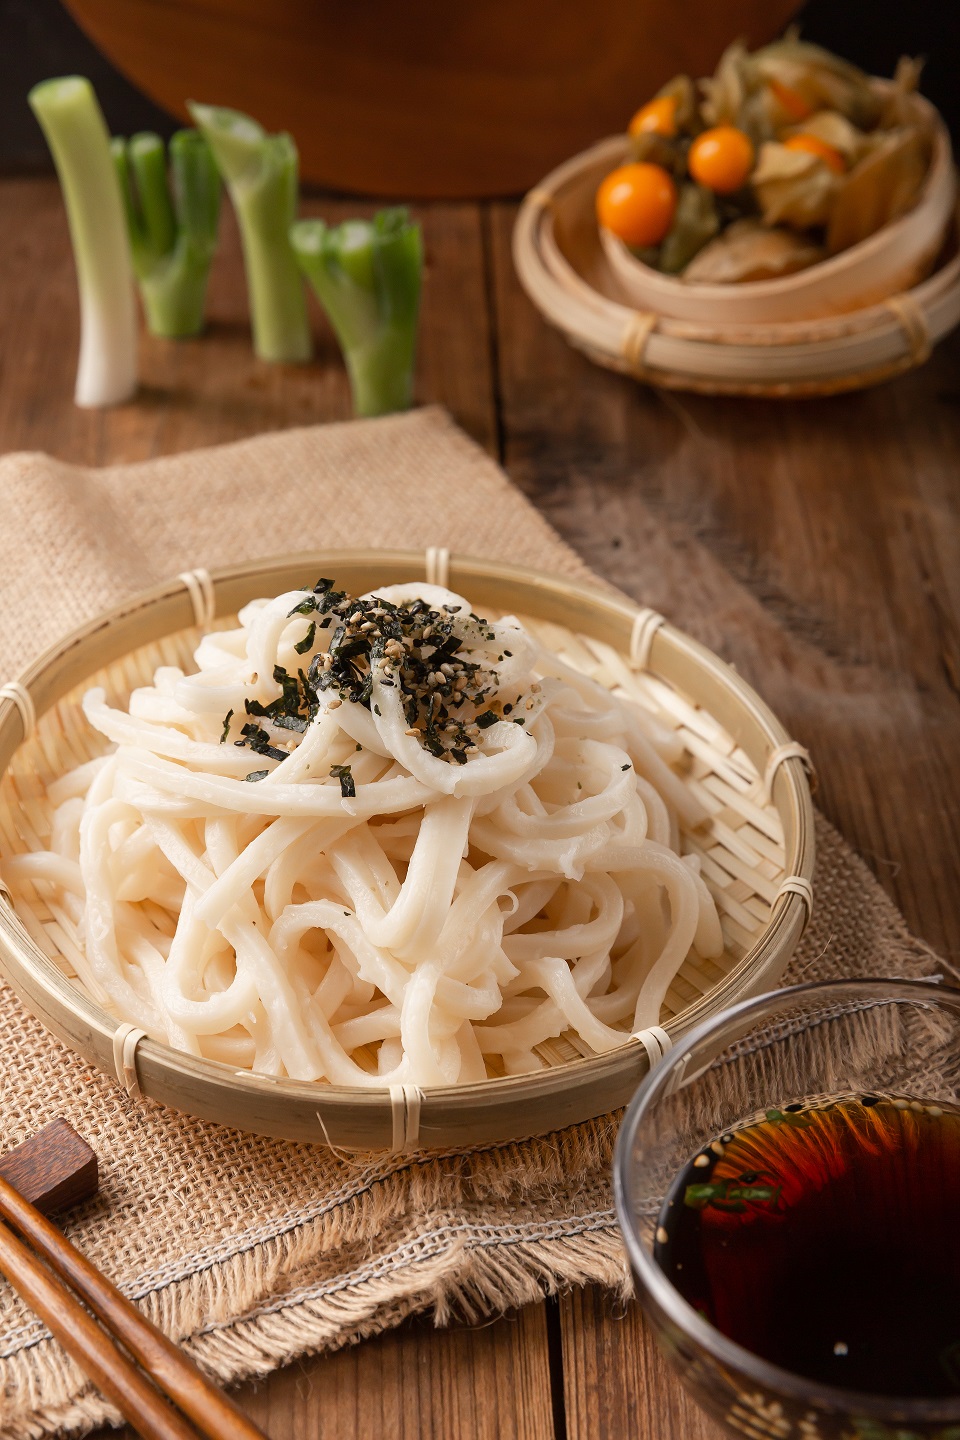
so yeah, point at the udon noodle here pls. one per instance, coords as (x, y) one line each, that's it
(376, 841)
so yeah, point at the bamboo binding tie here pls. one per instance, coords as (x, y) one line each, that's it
(202, 594)
(646, 623)
(437, 562)
(20, 696)
(126, 1038)
(796, 885)
(636, 337)
(912, 320)
(405, 1102)
(792, 750)
(540, 197)
(655, 1041)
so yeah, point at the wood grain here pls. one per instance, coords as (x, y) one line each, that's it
(416, 1383)
(424, 98)
(815, 544)
(53, 1169)
(615, 1382)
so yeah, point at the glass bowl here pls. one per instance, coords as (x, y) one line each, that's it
(866, 1037)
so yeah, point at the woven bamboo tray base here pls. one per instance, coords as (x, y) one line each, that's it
(562, 267)
(750, 846)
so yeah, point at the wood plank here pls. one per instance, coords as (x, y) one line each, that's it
(816, 545)
(213, 389)
(616, 1382)
(414, 1383)
(483, 1382)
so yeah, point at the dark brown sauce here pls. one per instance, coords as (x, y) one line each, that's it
(826, 1238)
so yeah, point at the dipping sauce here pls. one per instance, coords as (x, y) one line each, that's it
(825, 1238)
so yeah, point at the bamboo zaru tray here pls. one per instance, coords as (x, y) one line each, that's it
(561, 263)
(756, 849)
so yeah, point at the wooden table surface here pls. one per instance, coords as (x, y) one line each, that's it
(815, 544)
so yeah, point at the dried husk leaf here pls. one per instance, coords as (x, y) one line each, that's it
(825, 81)
(884, 185)
(835, 129)
(793, 187)
(897, 104)
(726, 90)
(656, 149)
(695, 223)
(682, 89)
(747, 251)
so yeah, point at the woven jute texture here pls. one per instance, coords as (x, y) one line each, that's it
(254, 1251)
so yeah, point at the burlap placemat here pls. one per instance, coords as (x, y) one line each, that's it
(255, 1251)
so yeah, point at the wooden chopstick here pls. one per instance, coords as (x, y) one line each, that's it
(114, 1376)
(213, 1413)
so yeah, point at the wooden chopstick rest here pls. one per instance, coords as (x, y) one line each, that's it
(53, 1169)
(56, 1166)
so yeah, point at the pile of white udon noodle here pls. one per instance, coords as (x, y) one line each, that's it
(434, 929)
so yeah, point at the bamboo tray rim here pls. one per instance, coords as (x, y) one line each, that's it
(782, 358)
(169, 607)
(941, 163)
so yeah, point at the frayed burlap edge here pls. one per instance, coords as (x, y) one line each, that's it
(469, 1279)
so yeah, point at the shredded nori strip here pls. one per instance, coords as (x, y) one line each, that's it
(257, 775)
(302, 646)
(342, 773)
(226, 726)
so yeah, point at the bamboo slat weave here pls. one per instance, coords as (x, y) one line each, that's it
(749, 846)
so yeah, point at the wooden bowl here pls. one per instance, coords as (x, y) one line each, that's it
(564, 269)
(753, 841)
(425, 98)
(895, 258)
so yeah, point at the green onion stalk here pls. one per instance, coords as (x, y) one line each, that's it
(77, 134)
(173, 237)
(260, 171)
(367, 276)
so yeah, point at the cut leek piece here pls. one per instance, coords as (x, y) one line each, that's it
(260, 171)
(367, 276)
(173, 236)
(73, 123)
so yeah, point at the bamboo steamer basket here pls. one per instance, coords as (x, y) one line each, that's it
(562, 265)
(757, 848)
(895, 258)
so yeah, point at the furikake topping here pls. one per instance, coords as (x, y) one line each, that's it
(410, 647)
